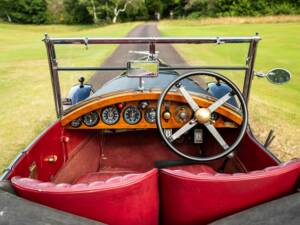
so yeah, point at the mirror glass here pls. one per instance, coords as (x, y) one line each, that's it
(278, 76)
(142, 68)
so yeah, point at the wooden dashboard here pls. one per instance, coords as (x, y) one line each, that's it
(127, 104)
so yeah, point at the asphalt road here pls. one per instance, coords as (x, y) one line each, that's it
(121, 55)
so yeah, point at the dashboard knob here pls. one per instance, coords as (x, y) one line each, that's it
(144, 105)
(167, 115)
(183, 115)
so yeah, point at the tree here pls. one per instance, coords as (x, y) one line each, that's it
(112, 9)
(37, 11)
(200, 8)
(120, 6)
(24, 11)
(103, 10)
(55, 11)
(135, 11)
(76, 11)
(91, 6)
(174, 6)
(6, 8)
(94, 11)
(154, 7)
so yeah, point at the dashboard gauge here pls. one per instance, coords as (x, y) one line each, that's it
(182, 114)
(91, 119)
(76, 123)
(150, 115)
(214, 116)
(110, 115)
(132, 115)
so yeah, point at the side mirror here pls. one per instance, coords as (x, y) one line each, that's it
(279, 76)
(276, 76)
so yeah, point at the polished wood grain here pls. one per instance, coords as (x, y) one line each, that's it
(228, 118)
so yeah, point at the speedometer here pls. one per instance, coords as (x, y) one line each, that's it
(132, 115)
(91, 119)
(110, 115)
(150, 115)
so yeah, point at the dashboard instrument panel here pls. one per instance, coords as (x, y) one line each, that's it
(137, 110)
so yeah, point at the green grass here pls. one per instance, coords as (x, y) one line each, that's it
(271, 106)
(25, 93)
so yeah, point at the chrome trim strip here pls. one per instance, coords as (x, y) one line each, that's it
(161, 68)
(155, 40)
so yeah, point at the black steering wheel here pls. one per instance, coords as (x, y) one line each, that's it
(202, 115)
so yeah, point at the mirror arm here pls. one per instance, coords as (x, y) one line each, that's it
(260, 74)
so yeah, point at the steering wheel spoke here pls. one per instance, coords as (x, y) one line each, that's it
(220, 102)
(185, 128)
(216, 135)
(187, 97)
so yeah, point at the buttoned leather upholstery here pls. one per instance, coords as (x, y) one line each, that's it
(128, 199)
(200, 196)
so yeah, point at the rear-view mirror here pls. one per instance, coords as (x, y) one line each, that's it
(142, 68)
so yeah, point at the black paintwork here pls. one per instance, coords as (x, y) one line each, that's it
(18, 211)
(284, 210)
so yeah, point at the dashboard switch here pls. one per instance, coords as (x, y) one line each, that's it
(168, 132)
(120, 105)
(167, 115)
(198, 136)
(144, 104)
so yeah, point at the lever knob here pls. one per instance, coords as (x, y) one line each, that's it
(81, 81)
(183, 115)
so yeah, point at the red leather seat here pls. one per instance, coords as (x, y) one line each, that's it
(201, 196)
(129, 199)
(102, 176)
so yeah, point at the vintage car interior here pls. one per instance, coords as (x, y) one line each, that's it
(156, 148)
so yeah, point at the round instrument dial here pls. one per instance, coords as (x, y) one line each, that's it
(150, 115)
(182, 114)
(76, 123)
(110, 115)
(132, 115)
(91, 119)
(214, 116)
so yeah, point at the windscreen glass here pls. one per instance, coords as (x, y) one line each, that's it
(105, 62)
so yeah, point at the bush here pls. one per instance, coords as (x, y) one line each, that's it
(284, 8)
(55, 11)
(200, 8)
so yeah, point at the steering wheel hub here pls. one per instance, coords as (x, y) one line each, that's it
(203, 115)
